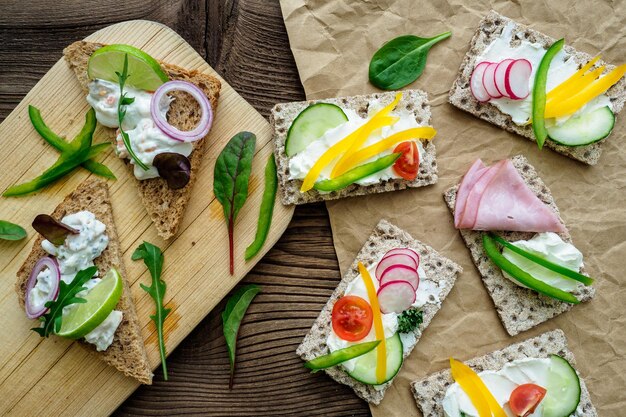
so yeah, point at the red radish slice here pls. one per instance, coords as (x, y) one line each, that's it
(516, 79)
(476, 82)
(404, 251)
(395, 297)
(397, 259)
(500, 74)
(401, 273)
(489, 81)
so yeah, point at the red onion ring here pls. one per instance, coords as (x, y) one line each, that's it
(206, 119)
(53, 265)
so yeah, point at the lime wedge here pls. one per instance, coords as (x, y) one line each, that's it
(145, 73)
(101, 301)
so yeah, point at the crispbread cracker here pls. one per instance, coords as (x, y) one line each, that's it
(461, 96)
(384, 238)
(519, 308)
(430, 391)
(282, 115)
(127, 353)
(165, 206)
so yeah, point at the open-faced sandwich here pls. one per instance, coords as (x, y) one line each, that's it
(165, 113)
(350, 146)
(534, 378)
(525, 82)
(73, 281)
(378, 312)
(537, 273)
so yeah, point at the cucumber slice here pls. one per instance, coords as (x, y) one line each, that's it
(365, 367)
(311, 124)
(563, 390)
(584, 129)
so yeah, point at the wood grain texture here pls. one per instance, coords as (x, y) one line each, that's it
(246, 42)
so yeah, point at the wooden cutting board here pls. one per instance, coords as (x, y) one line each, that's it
(57, 377)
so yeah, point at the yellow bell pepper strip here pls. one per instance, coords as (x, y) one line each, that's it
(574, 103)
(381, 349)
(576, 87)
(476, 389)
(364, 154)
(358, 141)
(342, 146)
(566, 85)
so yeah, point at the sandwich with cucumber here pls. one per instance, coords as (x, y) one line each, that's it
(533, 378)
(378, 312)
(537, 87)
(351, 146)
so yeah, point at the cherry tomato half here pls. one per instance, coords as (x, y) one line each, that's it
(352, 318)
(525, 399)
(408, 164)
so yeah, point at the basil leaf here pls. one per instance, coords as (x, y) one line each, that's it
(401, 61)
(230, 180)
(232, 315)
(52, 229)
(174, 168)
(11, 231)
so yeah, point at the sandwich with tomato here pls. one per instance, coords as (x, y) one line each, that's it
(378, 312)
(534, 378)
(350, 146)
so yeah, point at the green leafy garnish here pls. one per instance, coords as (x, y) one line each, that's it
(230, 181)
(539, 93)
(267, 209)
(67, 295)
(340, 356)
(121, 112)
(401, 61)
(410, 320)
(232, 315)
(11, 231)
(153, 258)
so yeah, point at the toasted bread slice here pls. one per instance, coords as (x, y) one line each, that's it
(385, 237)
(165, 206)
(128, 352)
(430, 391)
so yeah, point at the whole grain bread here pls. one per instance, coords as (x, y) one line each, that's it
(283, 115)
(384, 238)
(490, 28)
(127, 353)
(519, 308)
(165, 206)
(430, 391)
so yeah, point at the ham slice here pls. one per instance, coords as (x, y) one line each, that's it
(497, 198)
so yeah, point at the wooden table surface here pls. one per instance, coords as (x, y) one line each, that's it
(246, 42)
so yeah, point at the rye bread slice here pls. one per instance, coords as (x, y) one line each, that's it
(519, 308)
(127, 353)
(282, 115)
(165, 206)
(490, 28)
(385, 237)
(430, 391)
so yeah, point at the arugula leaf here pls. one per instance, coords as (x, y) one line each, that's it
(11, 231)
(230, 180)
(68, 294)
(410, 320)
(232, 315)
(153, 258)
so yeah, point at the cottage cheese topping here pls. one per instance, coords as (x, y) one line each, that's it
(42, 289)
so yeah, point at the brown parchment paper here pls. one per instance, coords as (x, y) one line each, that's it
(333, 41)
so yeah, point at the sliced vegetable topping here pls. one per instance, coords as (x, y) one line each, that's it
(311, 124)
(525, 398)
(266, 210)
(571, 83)
(476, 390)
(352, 318)
(477, 87)
(366, 368)
(405, 251)
(563, 390)
(539, 93)
(34, 311)
(357, 173)
(400, 272)
(381, 350)
(395, 296)
(407, 166)
(52, 229)
(392, 260)
(340, 356)
(584, 129)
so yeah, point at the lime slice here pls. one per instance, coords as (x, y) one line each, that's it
(101, 301)
(144, 72)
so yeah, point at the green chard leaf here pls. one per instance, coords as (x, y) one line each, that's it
(11, 231)
(401, 61)
(68, 294)
(410, 320)
(153, 258)
(230, 181)
(236, 308)
(267, 209)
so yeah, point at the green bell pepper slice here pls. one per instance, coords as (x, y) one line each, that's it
(539, 93)
(267, 209)
(340, 356)
(355, 174)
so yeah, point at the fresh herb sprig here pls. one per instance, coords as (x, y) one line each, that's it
(11, 231)
(121, 112)
(68, 294)
(410, 320)
(153, 258)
